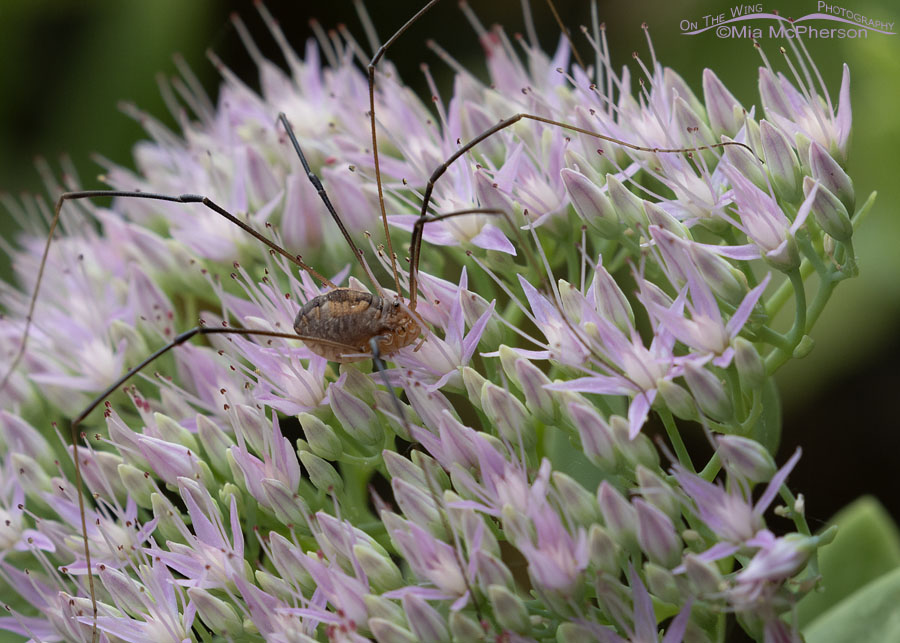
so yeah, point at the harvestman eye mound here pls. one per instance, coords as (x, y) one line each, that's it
(344, 324)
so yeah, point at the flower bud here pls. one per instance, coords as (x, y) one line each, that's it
(418, 505)
(31, 476)
(610, 301)
(721, 105)
(474, 382)
(830, 213)
(618, 514)
(746, 163)
(537, 398)
(746, 458)
(508, 415)
(289, 507)
(692, 127)
(591, 204)
(750, 367)
(387, 403)
(139, 484)
(321, 473)
(169, 518)
(578, 501)
(659, 217)
(656, 535)
(218, 615)
(358, 420)
(215, 443)
(831, 175)
(662, 583)
(781, 162)
(677, 399)
(383, 573)
(704, 576)
(574, 633)
(383, 608)
(425, 621)
(171, 431)
(629, 206)
(320, 437)
(387, 632)
(658, 493)
(509, 609)
(709, 392)
(726, 281)
(597, 440)
(492, 571)
(603, 550)
(464, 628)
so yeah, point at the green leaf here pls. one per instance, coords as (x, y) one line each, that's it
(867, 546)
(767, 430)
(870, 614)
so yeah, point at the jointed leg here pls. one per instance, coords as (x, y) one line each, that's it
(183, 198)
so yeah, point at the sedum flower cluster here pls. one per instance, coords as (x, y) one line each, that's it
(507, 485)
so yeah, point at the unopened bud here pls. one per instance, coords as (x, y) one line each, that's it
(578, 501)
(656, 535)
(597, 440)
(218, 615)
(782, 163)
(677, 399)
(509, 610)
(746, 458)
(830, 213)
(618, 514)
(830, 174)
(603, 550)
(629, 206)
(662, 583)
(320, 437)
(508, 415)
(721, 105)
(324, 476)
(750, 367)
(709, 392)
(591, 204)
(426, 622)
(382, 572)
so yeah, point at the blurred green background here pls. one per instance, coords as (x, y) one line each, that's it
(65, 64)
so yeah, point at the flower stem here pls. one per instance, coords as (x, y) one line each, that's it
(684, 458)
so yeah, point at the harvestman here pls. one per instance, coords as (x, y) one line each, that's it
(344, 324)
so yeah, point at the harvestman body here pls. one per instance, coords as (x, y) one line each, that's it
(343, 324)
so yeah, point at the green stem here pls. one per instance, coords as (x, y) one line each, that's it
(677, 443)
(712, 468)
(780, 355)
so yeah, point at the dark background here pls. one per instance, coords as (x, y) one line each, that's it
(64, 65)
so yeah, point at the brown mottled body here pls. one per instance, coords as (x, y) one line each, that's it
(346, 320)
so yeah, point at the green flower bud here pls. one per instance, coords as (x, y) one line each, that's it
(781, 162)
(324, 476)
(750, 367)
(830, 213)
(321, 438)
(577, 501)
(509, 609)
(218, 615)
(709, 392)
(629, 206)
(139, 484)
(383, 573)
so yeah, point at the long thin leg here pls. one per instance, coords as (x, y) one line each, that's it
(416, 242)
(182, 198)
(317, 184)
(371, 71)
(97, 401)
